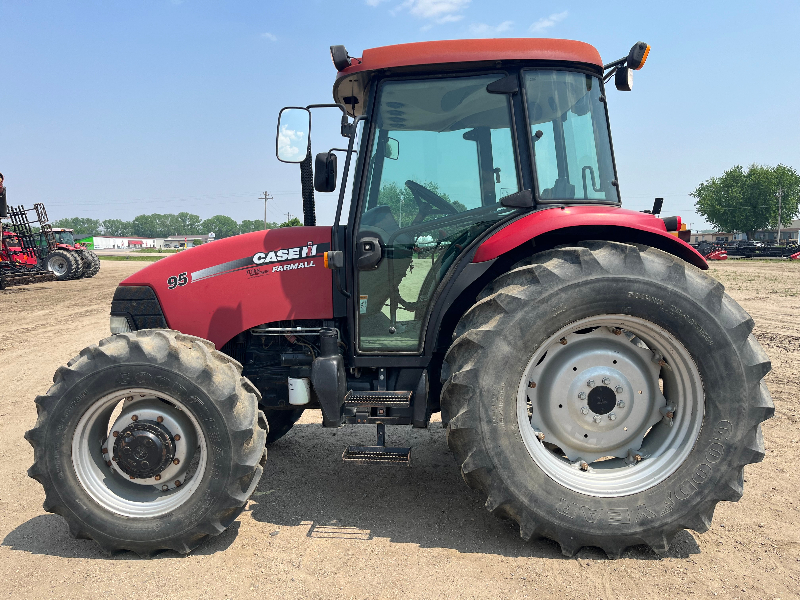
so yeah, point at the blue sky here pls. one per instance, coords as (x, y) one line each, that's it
(112, 108)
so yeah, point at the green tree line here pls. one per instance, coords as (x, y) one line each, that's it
(161, 226)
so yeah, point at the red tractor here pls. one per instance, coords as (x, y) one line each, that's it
(596, 385)
(66, 258)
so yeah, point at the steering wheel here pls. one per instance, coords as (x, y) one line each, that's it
(428, 202)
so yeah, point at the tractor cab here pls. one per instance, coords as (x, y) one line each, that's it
(457, 137)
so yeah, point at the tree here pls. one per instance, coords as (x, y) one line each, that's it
(117, 227)
(247, 226)
(747, 201)
(221, 225)
(293, 222)
(187, 223)
(81, 225)
(402, 204)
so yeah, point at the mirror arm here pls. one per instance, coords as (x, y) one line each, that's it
(616, 63)
(343, 186)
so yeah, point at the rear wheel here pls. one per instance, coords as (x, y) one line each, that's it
(62, 264)
(606, 395)
(92, 263)
(148, 441)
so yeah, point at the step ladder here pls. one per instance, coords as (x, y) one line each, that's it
(379, 453)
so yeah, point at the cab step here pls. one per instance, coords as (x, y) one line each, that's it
(394, 399)
(378, 454)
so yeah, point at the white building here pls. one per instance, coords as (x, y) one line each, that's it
(107, 242)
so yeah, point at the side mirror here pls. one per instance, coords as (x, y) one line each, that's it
(392, 149)
(325, 172)
(294, 133)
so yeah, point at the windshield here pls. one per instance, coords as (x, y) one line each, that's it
(572, 150)
(65, 237)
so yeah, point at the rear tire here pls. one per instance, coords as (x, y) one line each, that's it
(62, 264)
(92, 263)
(177, 384)
(542, 334)
(280, 422)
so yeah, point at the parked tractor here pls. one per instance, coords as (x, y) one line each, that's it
(19, 259)
(68, 259)
(597, 386)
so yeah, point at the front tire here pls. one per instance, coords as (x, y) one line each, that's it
(531, 427)
(62, 264)
(148, 441)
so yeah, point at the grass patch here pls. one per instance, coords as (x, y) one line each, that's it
(139, 258)
(156, 250)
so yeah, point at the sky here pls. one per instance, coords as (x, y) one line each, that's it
(112, 108)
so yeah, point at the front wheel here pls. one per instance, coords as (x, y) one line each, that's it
(605, 395)
(148, 441)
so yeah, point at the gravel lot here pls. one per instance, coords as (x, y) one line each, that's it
(319, 528)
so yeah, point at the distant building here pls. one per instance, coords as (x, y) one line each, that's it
(184, 241)
(789, 235)
(716, 237)
(108, 242)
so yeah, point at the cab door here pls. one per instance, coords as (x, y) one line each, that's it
(442, 154)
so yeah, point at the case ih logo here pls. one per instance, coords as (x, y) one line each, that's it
(262, 258)
(271, 257)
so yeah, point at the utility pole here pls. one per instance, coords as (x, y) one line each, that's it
(288, 217)
(780, 197)
(265, 198)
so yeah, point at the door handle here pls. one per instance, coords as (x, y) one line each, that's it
(369, 253)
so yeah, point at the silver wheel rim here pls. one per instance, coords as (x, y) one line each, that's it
(622, 439)
(57, 265)
(107, 484)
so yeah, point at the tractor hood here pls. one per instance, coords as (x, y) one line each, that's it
(217, 290)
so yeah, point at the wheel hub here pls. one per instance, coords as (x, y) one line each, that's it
(144, 449)
(595, 395)
(593, 405)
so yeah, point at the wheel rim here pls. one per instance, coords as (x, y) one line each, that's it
(103, 465)
(610, 405)
(57, 265)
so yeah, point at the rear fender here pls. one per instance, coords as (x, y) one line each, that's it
(576, 223)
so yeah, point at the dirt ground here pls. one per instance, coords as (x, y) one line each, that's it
(320, 528)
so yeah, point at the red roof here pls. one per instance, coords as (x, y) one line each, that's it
(457, 51)
(353, 80)
(135, 242)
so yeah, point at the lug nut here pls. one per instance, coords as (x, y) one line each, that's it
(116, 434)
(563, 341)
(134, 417)
(157, 477)
(616, 331)
(597, 418)
(109, 463)
(105, 450)
(539, 436)
(132, 477)
(612, 417)
(164, 488)
(637, 458)
(178, 460)
(619, 389)
(160, 419)
(606, 381)
(177, 483)
(590, 383)
(582, 395)
(177, 437)
(531, 384)
(584, 466)
(585, 410)
(115, 459)
(670, 415)
(621, 403)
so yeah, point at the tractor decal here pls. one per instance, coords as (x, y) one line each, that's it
(260, 258)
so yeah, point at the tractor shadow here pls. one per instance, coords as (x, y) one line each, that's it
(49, 535)
(306, 483)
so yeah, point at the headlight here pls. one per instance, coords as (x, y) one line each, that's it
(119, 325)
